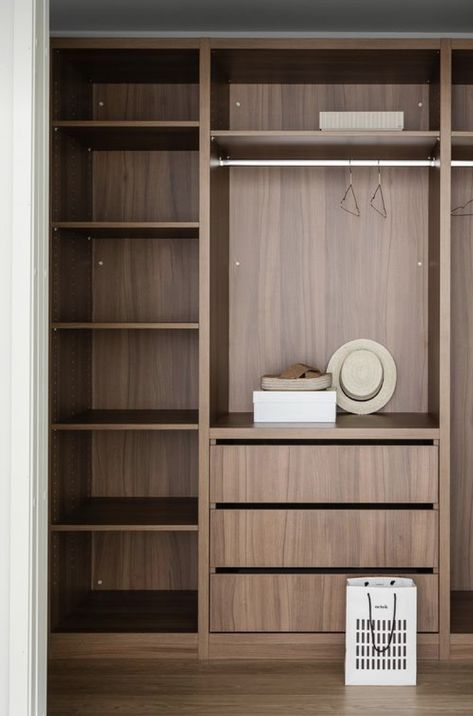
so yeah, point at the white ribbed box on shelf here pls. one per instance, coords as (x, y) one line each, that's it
(362, 121)
(295, 406)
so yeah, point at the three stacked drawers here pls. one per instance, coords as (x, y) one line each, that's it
(292, 521)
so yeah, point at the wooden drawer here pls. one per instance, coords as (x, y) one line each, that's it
(297, 602)
(323, 538)
(324, 473)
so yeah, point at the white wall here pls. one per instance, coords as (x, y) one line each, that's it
(23, 430)
(6, 126)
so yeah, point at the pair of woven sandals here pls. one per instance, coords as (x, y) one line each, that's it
(298, 376)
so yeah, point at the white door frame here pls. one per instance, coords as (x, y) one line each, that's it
(29, 359)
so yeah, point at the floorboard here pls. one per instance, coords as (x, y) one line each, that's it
(151, 688)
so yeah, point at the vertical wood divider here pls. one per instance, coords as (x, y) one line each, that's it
(204, 345)
(444, 348)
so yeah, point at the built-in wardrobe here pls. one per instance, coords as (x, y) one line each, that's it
(186, 261)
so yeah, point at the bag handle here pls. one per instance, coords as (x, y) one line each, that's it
(384, 649)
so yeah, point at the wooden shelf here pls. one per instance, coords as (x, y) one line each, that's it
(132, 135)
(325, 145)
(462, 145)
(130, 420)
(461, 618)
(127, 229)
(394, 426)
(166, 514)
(133, 611)
(99, 326)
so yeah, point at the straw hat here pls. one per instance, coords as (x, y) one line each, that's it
(364, 374)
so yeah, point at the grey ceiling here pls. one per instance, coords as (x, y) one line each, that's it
(262, 16)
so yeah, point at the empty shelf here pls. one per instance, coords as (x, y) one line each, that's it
(130, 420)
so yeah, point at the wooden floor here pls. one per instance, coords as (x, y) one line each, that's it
(151, 688)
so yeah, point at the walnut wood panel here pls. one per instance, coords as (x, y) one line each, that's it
(323, 538)
(123, 646)
(71, 179)
(145, 370)
(298, 602)
(341, 473)
(69, 574)
(305, 276)
(71, 472)
(322, 647)
(71, 279)
(146, 280)
(297, 106)
(70, 373)
(144, 560)
(462, 385)
(219, 288)
(144, 464)
(362, 62)
(173, 102)
(145, 186)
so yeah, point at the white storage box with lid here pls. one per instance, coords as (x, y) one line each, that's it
(295, 406)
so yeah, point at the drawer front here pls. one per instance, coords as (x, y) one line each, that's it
(323, 538)
(297, 602)
(324, 473)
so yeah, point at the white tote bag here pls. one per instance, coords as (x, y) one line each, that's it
(381, 631)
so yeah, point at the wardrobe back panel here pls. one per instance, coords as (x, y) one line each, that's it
(462, 384)
(144, 464)
(145, 186)
(297, 106)
(146, 280)
(139, 370)
(159, 102)
(305, 276)
(144, 560)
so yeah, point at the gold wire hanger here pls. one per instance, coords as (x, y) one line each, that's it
(350, 193)
(378, 197)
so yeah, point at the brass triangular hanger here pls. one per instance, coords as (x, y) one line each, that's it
(350, 197)
(463, 209)
(377, 200)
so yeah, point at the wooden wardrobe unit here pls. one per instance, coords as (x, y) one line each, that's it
(177, 526)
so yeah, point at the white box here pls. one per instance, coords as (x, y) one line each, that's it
(381, 632)
(362, 121)
(295, 406)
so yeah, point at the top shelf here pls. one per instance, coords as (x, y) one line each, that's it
(133, 135)
(324, 145)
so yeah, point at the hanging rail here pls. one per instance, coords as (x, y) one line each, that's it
(339, 163)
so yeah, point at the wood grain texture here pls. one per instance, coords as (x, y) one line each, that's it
(298, 602)
(71, 279)
(145, 186)
(292, 249)
(297, 106)
(341, 473)
(144, 464)
(135, 611)
(142, 101)
(444, 350)
(323, 538)
(312, 62)
(139, 514)
(204, 346)
(121, 646)
(71, 472)
(144, 560)
(462, 385)
(130, 420)
(69, 574)
(379, 426)
(323, 647)
(145, 280)
(145, 369)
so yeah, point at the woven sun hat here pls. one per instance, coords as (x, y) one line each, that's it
(364, 375)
